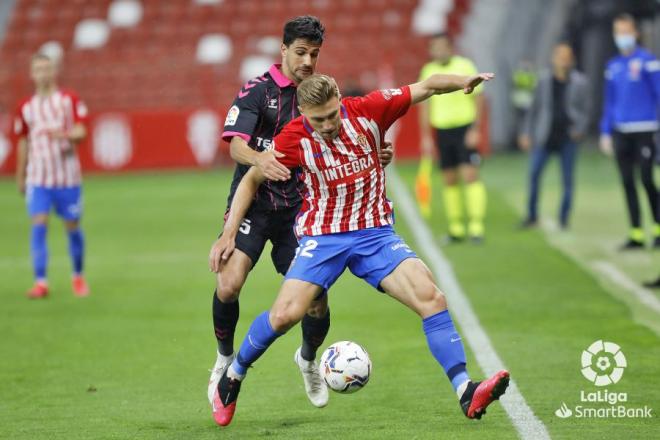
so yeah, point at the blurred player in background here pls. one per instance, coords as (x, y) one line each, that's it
(454, 117)
(49, 126)
(346, 222)
(556, 121)
(630, 121)
(261, 109)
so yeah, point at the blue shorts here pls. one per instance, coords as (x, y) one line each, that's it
(67, 201)
(371, 254)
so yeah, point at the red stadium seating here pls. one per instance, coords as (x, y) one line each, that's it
(153, 64)
(150, 76)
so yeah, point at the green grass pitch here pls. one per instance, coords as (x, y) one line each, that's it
(131, 361)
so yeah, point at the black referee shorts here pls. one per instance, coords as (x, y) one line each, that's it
(261, 225)
(452, 148)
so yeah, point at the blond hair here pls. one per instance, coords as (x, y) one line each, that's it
(317, 89)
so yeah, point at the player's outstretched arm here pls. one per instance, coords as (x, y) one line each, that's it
(224, 246)
(438, 84)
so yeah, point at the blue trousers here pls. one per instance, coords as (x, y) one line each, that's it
(538, 159)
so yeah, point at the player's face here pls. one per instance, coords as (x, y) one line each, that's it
(42, 72)
(562, 57)
(324, 119)
(299, 59)
(440, 49)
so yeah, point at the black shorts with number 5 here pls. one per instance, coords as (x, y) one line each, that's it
(259, 226)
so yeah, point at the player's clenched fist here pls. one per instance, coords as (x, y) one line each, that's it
(221, 251)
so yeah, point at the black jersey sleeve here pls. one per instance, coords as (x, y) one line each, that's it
(245, 111)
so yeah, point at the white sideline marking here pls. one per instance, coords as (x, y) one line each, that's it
(526, 423)
(642, 295)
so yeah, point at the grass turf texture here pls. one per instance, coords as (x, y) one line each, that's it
(131, 360)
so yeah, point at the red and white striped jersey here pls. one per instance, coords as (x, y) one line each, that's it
(51, 162)
(345, 182)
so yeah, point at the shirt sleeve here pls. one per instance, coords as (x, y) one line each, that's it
(608, 103)
(288, 143)
(243, 115)
(652, 71)
(386, 106)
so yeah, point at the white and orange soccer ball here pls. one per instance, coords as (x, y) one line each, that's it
(345, 367)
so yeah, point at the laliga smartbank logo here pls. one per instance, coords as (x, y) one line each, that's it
(603, 364)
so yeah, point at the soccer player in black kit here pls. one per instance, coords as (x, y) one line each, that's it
(261, 109)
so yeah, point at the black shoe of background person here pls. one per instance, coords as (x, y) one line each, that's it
(451, 239)
(652, 284)
(527, 224)
(631, 245)
(477, 239)
(656, 242)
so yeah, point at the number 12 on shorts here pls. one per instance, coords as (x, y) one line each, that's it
(304, 250)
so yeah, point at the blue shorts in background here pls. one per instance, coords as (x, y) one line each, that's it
(67, 201)
(371, 254)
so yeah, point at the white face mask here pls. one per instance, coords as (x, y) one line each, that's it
(625, 42)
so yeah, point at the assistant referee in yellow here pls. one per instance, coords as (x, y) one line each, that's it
(454, 118)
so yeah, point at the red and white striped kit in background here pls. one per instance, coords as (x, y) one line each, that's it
(344, 179)
(52, 163)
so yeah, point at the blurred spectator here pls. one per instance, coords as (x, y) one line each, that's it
(454, 118)
(630, 121)
(523, 82)
(556, 121)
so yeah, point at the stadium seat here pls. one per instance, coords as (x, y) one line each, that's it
(124, 13)
(91, 33)
(214, 49)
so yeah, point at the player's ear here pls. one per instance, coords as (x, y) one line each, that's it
(283, 49)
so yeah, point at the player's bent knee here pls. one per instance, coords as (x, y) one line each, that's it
(40, 219)
(228, 288)
(72, 225)
(430, 299)
(282, 319)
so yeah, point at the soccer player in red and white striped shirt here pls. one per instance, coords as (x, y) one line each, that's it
(49, 126)
(346, 222)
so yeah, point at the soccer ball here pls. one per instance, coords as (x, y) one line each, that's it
(345, 367)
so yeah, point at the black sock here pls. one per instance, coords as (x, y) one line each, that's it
(225, 317)
(314, 331)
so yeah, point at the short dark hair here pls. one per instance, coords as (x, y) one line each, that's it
(306, 27)
(40, 56)
(626, 17)
(443, 36)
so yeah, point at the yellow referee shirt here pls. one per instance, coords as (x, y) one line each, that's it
(456, 109)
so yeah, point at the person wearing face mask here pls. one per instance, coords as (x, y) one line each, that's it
(555, 122)
(630, 121)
